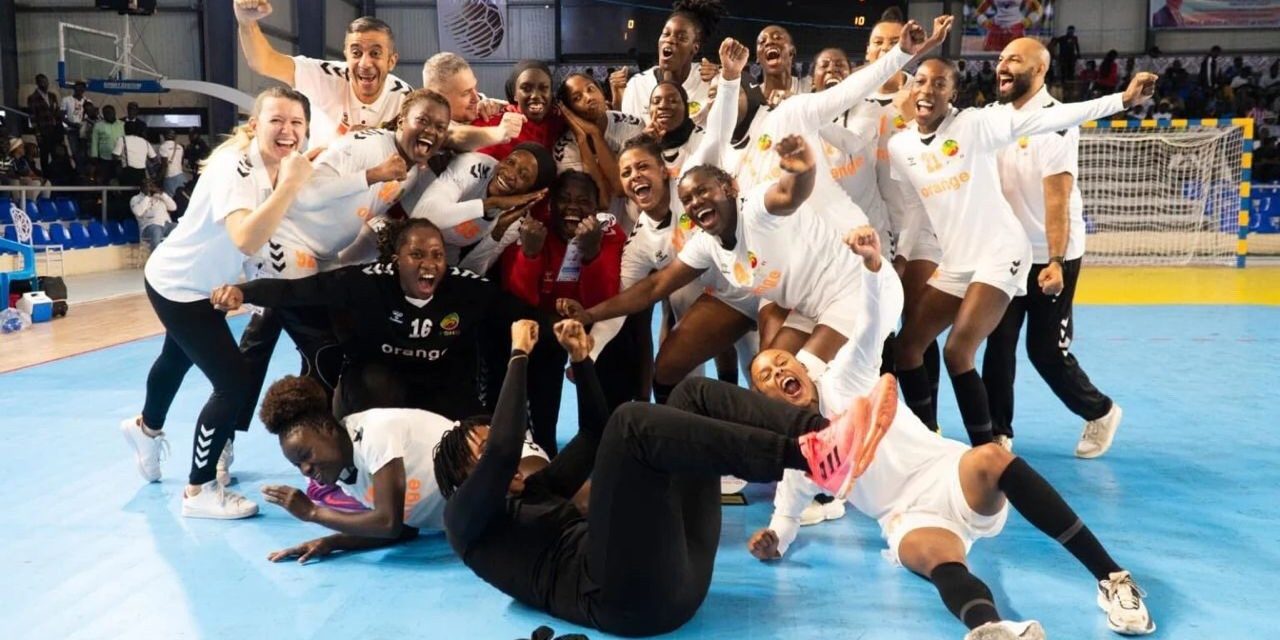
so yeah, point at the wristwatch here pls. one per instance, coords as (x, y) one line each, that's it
(1057, 259)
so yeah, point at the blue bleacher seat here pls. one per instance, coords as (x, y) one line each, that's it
(5, 216)
(79, 236)
(32, 211)
(58, 235)
(48, 210)
(3, 250)
(98, 234)
(115, 233)
(39, 236)
(67, 209)
(11, 233)
(131, 230)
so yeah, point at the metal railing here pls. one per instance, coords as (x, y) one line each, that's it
(22, 200)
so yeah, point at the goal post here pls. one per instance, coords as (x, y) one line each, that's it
(1167, 192)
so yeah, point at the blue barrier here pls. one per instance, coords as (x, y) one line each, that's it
(1265, 217)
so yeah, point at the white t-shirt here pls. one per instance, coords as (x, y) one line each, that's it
(850, 145)
(635, 100)
(171, 151)
(455, 202)
(908, 446)
(891, 191)
(336, 203)
(804, 115)
(74, 108)
(620, 127)
(1023, 167)
(955, 172)
(334, 105)
(795, 260)
(135, 151)
(379, 436)
(199, 255)
(153, 209)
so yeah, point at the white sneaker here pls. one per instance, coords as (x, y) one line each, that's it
(215, 502)
(1121, 598)
(1004, 441)
(224, 464)
(149, 451)
(730, 485)
(1007, 630)
(1099, 433)
(817, 512)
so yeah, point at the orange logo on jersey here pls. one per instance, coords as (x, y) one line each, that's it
(694, 108)
(468, 230)
(899, 122)
(412, 495)
(770, 281)
(304, 260)
(390, 192)
(950, 184)
(450, 322)
(765, 142)
(363, 213)
(849, 169)
(1023, 142)
(740, 273)
(950, 148)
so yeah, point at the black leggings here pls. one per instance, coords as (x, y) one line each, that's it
(654, 519)
(312, 333)
(380, 385)
(197, 333)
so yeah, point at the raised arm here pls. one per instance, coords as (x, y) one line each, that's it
(483, 495)
(786, 195)
(330, 288)
(566, 474)
(333, 179)
(1029, 122)
(646, 292)
(723, 115)
(258, 52)
(634, 268)
(249, 230)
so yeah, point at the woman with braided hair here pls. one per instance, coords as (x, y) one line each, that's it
(688, 28)
(414, 322)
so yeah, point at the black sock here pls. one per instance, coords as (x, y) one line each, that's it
(662, 391)
(915, 390)
(971, 395)
(823, 498)
(933, 364)
(1041, 505)
(889, 354)
(966, 596)
(792, 457)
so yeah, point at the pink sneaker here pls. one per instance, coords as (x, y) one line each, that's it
(841, 453)
(333, 497)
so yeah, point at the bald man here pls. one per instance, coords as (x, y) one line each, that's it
(1038, 177)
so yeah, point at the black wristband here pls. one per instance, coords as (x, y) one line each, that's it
(516, 353)
(1057, 259)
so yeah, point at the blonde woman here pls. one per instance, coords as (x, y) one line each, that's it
(247, 186)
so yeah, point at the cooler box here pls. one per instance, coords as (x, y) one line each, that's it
(37, 305)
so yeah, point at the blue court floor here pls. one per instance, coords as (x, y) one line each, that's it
(1187, 500)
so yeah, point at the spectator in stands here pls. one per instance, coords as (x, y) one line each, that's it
(62, 171)
(43, 107)
(1175, 78)
(131, 115)
(107, 132)
(1243, 79)
(1163, 110)
(1088, 77)
(1266, 158)
(1108, 73)
(1150, 61)
(197, 151)
(1067, 54)
(1211, 76)
(183, 197)
(152, 207)
(7, 175)
(73, 119)
(1271, 80)
(134, 153)
(171, 156)
(24, 173)
(987, 79)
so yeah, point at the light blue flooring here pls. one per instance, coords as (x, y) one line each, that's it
(1187, 499)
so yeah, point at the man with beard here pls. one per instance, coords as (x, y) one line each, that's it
(1037, 176)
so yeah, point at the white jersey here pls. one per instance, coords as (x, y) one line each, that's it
(635, 99)
(850, 144)
(379, 436)
(955, 172)
(199, 255)
(795, 260)
(455, 202)
(804, 115)
(334, 105)
(620, 127)
(908, 446)
(337, 202)
(892, 192)
(1023, 168)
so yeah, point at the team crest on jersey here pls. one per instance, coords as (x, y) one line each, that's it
(950, 148)
(686, 223)
(397, 317)
(751, 259)
(899, 122)
(694, 108)
(1023, 142)
(740, 273)
(450, 324)
(765, 142)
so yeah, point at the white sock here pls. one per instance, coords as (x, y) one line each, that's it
(813, 364)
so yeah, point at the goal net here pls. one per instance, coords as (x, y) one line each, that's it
(1162, 195)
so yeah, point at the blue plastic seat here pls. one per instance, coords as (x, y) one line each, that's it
(11, 233)
(131, 233)
(32, 211)
(58, 235)
(115, 233)
(79, 236)
(5, 216)
(67, 209)
(48, 210)
(39, 236)
(5, 250)
(98, 234)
